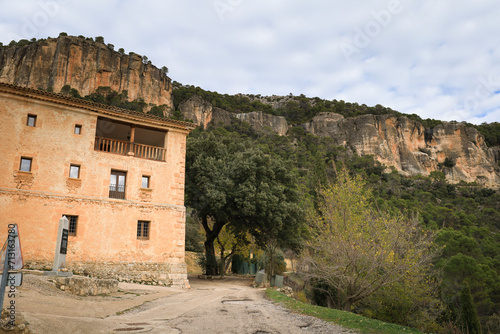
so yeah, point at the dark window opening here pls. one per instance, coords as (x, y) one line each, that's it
(78, 129)
(143, 230)
(73, 222)
(117, 184)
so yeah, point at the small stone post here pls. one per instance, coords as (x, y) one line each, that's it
(61, 250)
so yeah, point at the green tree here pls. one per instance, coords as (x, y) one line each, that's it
(468, 314)
(228, 182)
(357, 249)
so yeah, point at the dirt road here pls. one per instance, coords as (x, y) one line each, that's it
(230, 305)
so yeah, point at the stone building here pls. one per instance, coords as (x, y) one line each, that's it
(117, 175)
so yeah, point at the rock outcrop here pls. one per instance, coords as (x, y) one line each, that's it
(197, 109)
(259, 121)
(84, 65)
(203, 113)
(459, 151)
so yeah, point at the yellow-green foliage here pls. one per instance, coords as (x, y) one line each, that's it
(357, 249)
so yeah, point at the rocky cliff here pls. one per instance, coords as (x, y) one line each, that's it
(457, 150)
(453, 148)
(203, 113)
(84, 65)
(260, 121)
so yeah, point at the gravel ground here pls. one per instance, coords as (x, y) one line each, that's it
(230, 305)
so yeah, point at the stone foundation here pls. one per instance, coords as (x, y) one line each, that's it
(86, 286)
(151, 273)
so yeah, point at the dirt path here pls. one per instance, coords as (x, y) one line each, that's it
(210, 306)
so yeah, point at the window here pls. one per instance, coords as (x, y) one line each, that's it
(74, 171)
(25, 165)
(31, 120)
(78, 129)
(73, 221)
(143, 230)
(117, 184)
(145, 181)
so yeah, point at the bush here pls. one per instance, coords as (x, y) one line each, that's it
(273, 261)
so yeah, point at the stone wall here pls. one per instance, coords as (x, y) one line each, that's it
(150, 273)
(86, 286)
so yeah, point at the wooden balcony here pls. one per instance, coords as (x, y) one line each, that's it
(131, 149)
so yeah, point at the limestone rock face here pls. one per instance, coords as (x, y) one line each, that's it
(203, 113)
(84, 65)
(394, 141)
(197, 109)
(412, 149)
(495, 152)
(221, 117)
(323, 124)
(258, 120)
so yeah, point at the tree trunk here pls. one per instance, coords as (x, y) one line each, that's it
(222, 261)
(211, 260)
(211, 235)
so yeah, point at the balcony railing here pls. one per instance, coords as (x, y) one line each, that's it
(126, 148)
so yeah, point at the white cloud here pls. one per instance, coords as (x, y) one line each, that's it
(422, 57)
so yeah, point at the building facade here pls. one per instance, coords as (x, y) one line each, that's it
(117, 175)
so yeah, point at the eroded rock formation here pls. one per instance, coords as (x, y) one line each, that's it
(203, 113)
(459, 151)
(84, 65)
(259, 121)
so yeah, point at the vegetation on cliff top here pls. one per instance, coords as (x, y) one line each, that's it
(301, 109)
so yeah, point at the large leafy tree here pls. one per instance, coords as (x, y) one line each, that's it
(229, 182)
(356, 249)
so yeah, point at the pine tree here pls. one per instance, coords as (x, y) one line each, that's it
(469, 318)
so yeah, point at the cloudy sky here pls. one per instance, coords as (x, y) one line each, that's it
(438, 59)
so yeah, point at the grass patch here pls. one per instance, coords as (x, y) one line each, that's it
(348, 320)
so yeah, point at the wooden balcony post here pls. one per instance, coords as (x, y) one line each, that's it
(132, 138)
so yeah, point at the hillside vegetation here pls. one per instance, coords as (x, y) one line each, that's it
(301, 109)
